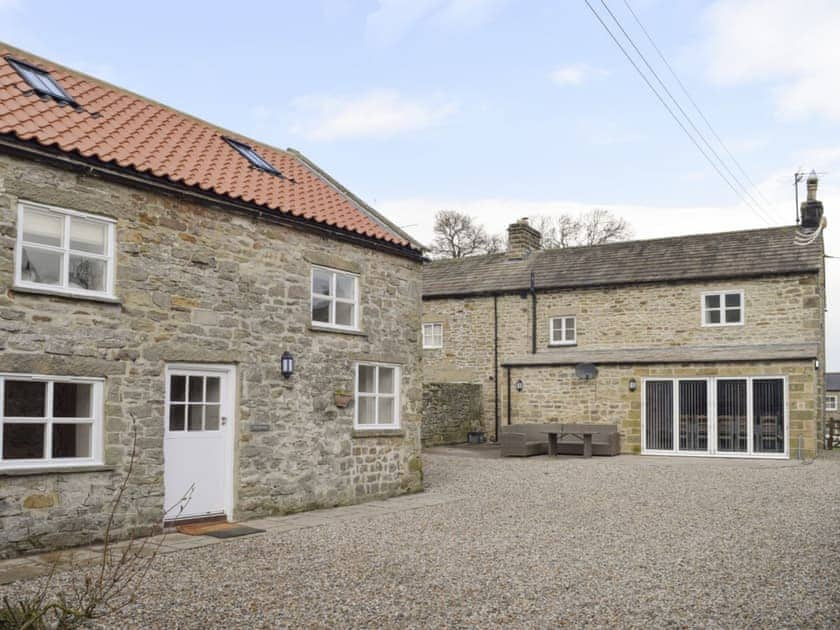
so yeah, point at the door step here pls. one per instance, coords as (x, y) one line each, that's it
(211, 519)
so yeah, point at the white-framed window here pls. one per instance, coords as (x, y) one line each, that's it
(64, 251)
(335, 298)
(722, 308)
(49, 421)
(377, 396)
(562, 331)
(831, 402)
(432, 336)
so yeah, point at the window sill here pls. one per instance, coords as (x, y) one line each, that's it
(55, 470)
(65, 294)
(377, 433)
(340, 331)
(432, 347)
(563, 344)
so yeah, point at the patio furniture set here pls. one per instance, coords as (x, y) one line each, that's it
(524, 440)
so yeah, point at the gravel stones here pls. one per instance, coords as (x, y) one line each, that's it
(627, 541)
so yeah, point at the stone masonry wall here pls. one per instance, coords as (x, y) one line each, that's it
(450, 411)
(783, 309)
(200, 284)
(607, 398)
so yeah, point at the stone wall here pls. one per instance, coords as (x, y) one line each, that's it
(781, 309)
(450, 411)
(200, 284)
(556, 394)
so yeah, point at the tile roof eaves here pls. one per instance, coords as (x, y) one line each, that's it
(151, 178)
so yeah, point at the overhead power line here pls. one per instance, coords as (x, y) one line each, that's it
(695, 105)
(673, 115)
(752, 200)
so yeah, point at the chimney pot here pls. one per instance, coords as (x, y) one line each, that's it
(811, 209)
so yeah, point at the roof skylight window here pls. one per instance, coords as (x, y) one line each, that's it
(41, 81)
(253, 157)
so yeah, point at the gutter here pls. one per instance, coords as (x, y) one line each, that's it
(87, 166)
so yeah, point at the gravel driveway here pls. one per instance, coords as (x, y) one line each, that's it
(624, 541)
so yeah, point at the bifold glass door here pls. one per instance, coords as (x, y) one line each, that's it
(715, 416)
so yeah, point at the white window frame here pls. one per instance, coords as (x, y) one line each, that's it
(711, 406)
(376, 396)
(722, 294)
(431, 345)
(831, 402)
(97, 399)
(109, 257)
(562, 341)
(334, 298)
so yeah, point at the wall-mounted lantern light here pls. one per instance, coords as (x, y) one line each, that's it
(287, 364)
(632, 384)
(519, 385)
(816, 364)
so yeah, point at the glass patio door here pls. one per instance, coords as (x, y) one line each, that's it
(732, 416)
(694, 415)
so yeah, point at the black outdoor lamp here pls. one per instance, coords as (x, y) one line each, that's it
(632, 384)
(519, 385)
(287, 364)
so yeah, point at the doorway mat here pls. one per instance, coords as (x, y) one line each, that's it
(218, 530)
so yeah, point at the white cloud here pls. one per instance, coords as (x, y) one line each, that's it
(575, 74)
(789, 44)
(392, 19)
(375, 114)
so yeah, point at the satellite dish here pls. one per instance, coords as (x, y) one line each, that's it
(586, 371)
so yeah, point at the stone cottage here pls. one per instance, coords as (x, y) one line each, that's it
(706, 345)
(250, 319)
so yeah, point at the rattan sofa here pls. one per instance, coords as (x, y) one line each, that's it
(525, 440)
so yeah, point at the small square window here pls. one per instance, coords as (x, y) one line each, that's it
(562, 331)
(432, 336)
(377, 396)
(723, 308)
(334, 298)
(62, 250)
(831, 402)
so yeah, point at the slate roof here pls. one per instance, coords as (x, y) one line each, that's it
(832, 381)
(670, 354)
(117, 127)
(769, 251)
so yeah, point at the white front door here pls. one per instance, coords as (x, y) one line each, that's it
(197, 445)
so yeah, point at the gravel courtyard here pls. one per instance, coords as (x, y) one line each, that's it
(626, 541)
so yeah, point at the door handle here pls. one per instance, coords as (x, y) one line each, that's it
(224, 420)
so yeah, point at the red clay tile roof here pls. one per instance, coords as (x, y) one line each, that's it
(121, 128)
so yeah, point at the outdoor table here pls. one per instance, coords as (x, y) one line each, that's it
(586, 436)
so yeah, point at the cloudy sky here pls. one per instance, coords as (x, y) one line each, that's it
(498, 108)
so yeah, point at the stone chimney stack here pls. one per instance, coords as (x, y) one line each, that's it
(522, 239)
(811, 210)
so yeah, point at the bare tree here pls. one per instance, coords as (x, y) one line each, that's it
(458, 235)
(590, 228)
